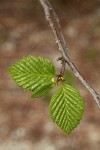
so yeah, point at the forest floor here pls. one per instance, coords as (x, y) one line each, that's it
(25, 124)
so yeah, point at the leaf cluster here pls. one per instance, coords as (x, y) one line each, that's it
(37, 75)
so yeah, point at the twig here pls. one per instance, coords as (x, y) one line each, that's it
(63, 62)
(58, 35)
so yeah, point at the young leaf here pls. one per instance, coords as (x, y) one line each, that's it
(33, 73)
(66, 108)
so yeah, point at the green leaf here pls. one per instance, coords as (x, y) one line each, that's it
(66, 108)
(35, 74)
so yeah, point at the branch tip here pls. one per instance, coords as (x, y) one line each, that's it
(53, 20)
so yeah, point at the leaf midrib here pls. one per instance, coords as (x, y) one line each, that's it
(63, 90)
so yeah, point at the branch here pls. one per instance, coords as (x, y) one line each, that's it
(59, 38)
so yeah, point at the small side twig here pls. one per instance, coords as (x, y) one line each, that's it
(63, 62)
(58, 35)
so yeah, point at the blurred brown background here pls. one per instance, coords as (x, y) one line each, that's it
(24, 124)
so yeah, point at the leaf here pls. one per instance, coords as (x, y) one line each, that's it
(35, 74)
(66, 108)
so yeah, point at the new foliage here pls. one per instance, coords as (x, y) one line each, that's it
(37, 75)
